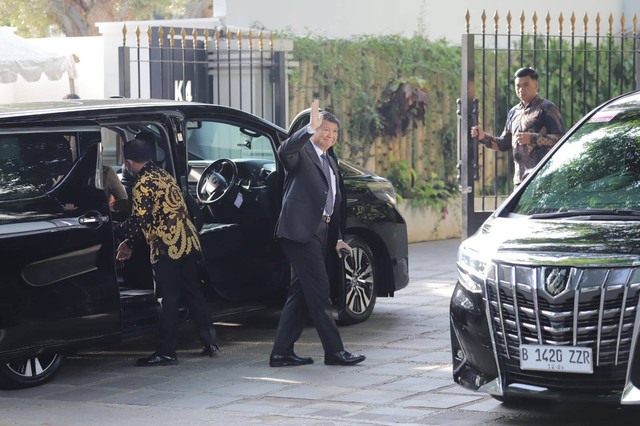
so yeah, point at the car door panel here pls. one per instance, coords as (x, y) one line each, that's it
(58, 283)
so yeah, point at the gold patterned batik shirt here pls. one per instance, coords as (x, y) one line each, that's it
(159, 215)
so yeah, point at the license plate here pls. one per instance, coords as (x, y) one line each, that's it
(563, 359)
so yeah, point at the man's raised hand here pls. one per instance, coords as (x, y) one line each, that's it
(315, 119)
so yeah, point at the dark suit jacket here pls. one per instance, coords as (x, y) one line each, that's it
(305, 189)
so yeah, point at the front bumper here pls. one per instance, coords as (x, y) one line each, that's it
(477, 364)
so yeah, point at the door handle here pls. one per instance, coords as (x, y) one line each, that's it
(92, 219)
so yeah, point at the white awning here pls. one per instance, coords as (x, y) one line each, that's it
(19, 56)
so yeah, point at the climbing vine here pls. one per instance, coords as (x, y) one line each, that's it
(395, 98)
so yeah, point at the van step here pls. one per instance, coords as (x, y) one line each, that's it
(137, 296)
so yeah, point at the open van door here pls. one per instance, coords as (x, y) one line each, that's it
(301, 120)
(235, 176)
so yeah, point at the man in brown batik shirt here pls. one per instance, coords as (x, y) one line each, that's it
(532, 128)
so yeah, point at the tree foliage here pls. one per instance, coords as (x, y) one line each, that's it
(40, 18)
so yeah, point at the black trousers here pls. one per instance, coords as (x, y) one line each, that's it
(176, 281)
(309, 293)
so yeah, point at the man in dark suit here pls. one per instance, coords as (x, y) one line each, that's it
(308, 228)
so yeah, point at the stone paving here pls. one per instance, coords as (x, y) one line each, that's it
(406, 378)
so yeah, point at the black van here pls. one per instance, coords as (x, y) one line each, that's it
(61, 288)
(546, 304)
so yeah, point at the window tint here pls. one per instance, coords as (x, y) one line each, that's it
(33, 163)
(598, 167)
(211, 141)
(350, 170)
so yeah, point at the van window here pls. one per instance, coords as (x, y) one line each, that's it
(598, 167)
(33, 163)
(207, 140)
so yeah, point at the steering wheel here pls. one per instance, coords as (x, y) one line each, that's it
(216, 181)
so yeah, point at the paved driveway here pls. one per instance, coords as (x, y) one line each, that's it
(406, 378)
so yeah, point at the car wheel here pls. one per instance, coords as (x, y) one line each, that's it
(28, 372)
(360, 281)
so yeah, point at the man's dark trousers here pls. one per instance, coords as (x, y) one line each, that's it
(176, 281)
(309, 292)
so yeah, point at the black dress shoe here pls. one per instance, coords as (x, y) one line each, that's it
(156, 359)
(343, 358)
(288, 360)
(211, 350)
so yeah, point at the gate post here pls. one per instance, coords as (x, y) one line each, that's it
(280, 95)
(636, 55)
(464, 139)
(125, 71)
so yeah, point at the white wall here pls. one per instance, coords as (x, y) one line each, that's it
(434, 18)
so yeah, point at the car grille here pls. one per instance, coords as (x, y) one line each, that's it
(596, 309)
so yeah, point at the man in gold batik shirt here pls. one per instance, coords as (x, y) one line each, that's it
(159, 215)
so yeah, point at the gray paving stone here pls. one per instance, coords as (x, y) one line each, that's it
(251, 388)
(311, 392)
(36, 392)
(434, 400)
(432, 357)
(315, 408)
(416, 384)
(203, 384)
(142, 397)
(85, 394)
(352, 378)
(458, 418)
(389, 354)
(203, 400)
(394, 415)
(130, 382)
(372, 396)
(396, 369)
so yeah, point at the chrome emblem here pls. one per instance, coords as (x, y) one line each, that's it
(556, 280)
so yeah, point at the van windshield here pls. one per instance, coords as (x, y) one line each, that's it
(598, 167)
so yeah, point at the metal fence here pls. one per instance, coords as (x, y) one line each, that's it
(578, 69)
(218, 65)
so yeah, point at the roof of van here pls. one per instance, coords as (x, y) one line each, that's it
(44, 107)
(83, 108)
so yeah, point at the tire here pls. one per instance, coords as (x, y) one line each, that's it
(360, 278)
(29, 372)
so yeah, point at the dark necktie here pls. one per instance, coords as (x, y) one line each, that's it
(328, 206)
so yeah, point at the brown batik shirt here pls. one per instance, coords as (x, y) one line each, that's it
(540, 117)
(160, 215)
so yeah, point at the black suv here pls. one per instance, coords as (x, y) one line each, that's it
(546, 304)
(60, 286)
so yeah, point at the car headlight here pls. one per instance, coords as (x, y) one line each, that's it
(383, 190)
(473, 268)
